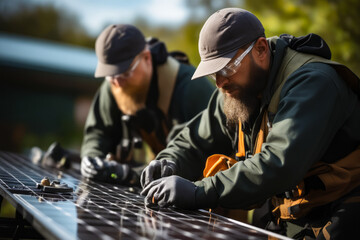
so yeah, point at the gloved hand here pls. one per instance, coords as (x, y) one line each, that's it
(104, 170)
(157, 169)
(170, 191)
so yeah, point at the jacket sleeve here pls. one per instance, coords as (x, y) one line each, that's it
(314, 105)
(203, 136)
(103, 125)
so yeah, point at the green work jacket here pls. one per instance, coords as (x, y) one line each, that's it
(317, 119)
(103, 128)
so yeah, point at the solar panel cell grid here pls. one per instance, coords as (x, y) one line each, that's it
(99, 210)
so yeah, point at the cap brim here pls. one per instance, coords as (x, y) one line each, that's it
(212, 66)
(104, 69)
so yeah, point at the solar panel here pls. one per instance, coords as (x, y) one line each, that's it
(96, 210)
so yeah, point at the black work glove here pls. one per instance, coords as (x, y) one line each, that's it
(104, 170)
(157, 169)
(170, 191)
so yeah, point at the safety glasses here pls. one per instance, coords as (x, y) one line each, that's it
(231, 68)
(128, 73)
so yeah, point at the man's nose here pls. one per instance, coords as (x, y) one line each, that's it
(220, 81)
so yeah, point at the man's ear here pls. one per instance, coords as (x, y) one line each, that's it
(261, 52)
(147, 55)
(148, 61)
(261, 48)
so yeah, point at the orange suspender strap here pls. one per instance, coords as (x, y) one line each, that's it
(219, 162)
(241, 144)
(263, 132)
(260, 138)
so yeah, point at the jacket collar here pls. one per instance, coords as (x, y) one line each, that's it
(277, 48)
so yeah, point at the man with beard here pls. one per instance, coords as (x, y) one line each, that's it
(286, 122)
(146, 96)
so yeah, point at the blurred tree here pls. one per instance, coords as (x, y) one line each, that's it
(334, 20)
(182, 38)
(189, 33)
(43, 21)
(201, 9)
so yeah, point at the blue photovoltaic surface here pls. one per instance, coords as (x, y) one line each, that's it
(103, 211)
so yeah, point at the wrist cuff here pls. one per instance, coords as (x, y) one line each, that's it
(205, 195)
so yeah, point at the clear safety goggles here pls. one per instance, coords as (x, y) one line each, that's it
(231, 68)
(128, 72)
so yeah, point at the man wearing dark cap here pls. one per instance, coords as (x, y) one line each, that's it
(146, 96)
(283, 128)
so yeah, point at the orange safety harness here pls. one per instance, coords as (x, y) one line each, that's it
(337, 179)
(219, 162)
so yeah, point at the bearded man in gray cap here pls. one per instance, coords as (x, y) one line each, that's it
(282, 128)
(147, 94)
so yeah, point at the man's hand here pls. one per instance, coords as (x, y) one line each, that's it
(157, 169)
(104, 170)
(170, 191)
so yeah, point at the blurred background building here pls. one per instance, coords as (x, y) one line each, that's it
(47, 57)
(46, 89)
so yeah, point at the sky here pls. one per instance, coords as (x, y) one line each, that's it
(95, 14)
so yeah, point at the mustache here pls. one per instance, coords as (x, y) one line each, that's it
(230, 88)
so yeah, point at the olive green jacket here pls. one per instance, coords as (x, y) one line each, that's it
(103, 127)
(317, 119)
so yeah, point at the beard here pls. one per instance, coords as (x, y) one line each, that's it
(246, 102)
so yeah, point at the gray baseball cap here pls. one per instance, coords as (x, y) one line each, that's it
(116, 47)
(222, 35)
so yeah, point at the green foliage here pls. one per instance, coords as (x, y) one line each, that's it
(7, 210)
(68, 136)
(184, 40)
(334, 20)
(43, 21)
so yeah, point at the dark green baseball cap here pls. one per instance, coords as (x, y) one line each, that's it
(222, 35)
(116, 47)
